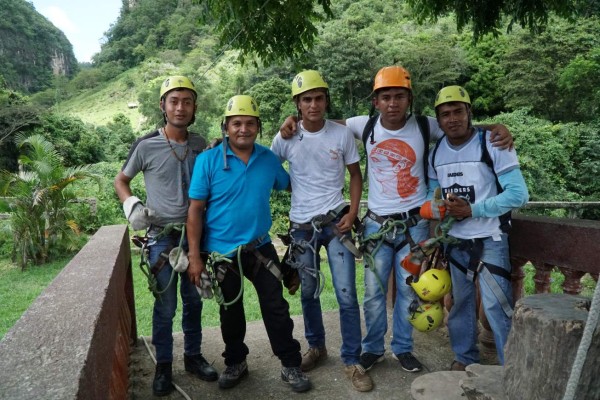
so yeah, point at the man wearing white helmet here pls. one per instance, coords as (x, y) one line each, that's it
(166, 158)
(480, 186)
(318, 157)
(230, 217)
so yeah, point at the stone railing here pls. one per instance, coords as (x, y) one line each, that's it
(74, 340)
(566, 244)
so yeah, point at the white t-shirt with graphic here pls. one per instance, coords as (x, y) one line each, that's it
(459, 170)
(317, 167)
(395, 165)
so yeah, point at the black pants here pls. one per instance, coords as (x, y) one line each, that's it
(274, 308)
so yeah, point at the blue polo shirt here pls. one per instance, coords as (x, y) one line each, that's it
(237, 199)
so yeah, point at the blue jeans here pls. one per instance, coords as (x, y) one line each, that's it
(166, 305)
(343, 275)
(387, 259)
(462, 321)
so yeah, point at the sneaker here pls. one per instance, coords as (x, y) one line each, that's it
(198, 366)
(457, 366)
(367, 360)
(232, 375)
(162, 384)
(312, 357)
(409, 362)
(359, 377)
(296, 378)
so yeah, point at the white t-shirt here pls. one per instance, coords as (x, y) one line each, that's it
(459, 170)
(317, 167)
(395, 164)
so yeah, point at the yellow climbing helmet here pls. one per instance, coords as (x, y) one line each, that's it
(452, 93)
(433, 284)
(177, 82)
(426, 317)
(307, 80)
(242, 105)
(393, 76)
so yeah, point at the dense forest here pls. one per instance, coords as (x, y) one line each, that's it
(543, 83)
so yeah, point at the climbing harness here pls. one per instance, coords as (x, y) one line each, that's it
(218, 264)
(299, 247)
(174, 255)
(474, 247)
(391, 226)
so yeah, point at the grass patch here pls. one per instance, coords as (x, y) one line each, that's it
(18, 289)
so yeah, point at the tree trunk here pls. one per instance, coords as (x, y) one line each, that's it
(542, 345)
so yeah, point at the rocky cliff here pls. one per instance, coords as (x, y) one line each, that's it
(32, 50)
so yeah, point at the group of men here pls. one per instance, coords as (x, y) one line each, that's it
(209, 191)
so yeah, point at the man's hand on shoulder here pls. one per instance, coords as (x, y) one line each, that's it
(501, 136)
(289, 127)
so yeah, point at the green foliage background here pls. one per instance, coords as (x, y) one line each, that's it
(545, 86)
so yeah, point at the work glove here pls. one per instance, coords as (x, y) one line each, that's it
(179, 264)
(138, 215)
(435, 208)
(205, 289)
(412, 262)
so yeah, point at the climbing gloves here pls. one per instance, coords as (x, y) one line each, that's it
(205, 288)
(434, 208)
(138, 215)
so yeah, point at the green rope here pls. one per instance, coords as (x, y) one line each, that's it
(395, 226)
(145, 267)
(216, 258)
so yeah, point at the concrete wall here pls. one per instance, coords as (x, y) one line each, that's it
(74, 340)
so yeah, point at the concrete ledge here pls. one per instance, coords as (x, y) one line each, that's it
(67, 345)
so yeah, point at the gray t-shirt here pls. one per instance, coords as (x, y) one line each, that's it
(167, 178)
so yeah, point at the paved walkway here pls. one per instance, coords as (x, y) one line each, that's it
(263, 381)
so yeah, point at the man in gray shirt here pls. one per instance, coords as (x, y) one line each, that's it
(166, 158)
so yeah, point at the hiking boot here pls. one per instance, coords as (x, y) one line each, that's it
(409, 362)
(457, 366)
(198, 366)
(232, 375)
(162, 384)
(296, 378)
(312, 357)
(367, 360)
(359, 377)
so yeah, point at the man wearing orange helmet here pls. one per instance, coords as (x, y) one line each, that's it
(396, 143)
(481, 186)
(166, 158)
(318, 158)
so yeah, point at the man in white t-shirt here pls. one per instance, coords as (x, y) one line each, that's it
(318, 157)
(395, 149)
(480, 185)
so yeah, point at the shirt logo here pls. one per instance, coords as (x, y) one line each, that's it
(466, 192)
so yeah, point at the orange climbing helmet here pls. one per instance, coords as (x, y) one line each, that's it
(393, 76)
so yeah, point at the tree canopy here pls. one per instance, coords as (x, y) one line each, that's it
(488, 16)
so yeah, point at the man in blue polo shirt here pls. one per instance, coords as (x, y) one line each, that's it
(230, 215)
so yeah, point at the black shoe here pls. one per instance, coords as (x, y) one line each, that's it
(162, 384)
(198, 366)
(409, 362)
(232, 375)
(296, 378)
(368, 360)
